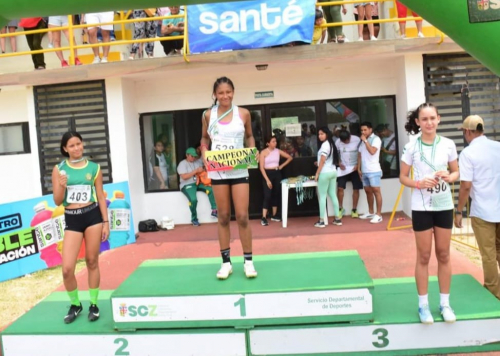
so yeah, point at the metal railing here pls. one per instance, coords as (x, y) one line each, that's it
(123, 21)
(378, 21)
(71, 44)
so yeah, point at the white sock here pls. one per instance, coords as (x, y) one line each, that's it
(444, 299)
(423, 300)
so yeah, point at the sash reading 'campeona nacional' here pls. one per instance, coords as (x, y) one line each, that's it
(228, 160)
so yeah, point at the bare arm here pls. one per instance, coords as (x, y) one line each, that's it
(262, 160)
(287, 157)
(205, 137)
(59, 182)
(191, 174)
(101, 198)
(323, 35)
(463, 196)
(249, 139)
(369, 147)
(321, 163)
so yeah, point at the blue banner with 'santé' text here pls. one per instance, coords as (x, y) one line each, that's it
(249, 24)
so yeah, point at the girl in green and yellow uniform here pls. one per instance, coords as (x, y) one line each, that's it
(77, 184)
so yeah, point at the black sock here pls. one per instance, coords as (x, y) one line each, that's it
(354, 210)
(247, 256)
(226, 255)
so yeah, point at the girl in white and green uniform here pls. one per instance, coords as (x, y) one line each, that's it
(77, 184)
(226, 127)
(434, 161)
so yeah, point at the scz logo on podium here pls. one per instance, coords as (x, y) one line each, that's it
(137, 310)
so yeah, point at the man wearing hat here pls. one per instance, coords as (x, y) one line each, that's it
(479, 166)
(188, 169)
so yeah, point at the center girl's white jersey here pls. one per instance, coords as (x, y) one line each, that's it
(227, 136)
(426, 160)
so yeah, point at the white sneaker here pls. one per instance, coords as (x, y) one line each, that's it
(360, 39)
(366, 216)
(104, 60)
(425, 315)
(447, 313)
(402, 37)
(96, 60)
(225, 270)
(249, 269)
(420, 35)
(373, 38)
(376, 219)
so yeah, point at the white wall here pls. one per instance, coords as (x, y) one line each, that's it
(20, 178)
(410, 94)
(316, 80)
(313, 80)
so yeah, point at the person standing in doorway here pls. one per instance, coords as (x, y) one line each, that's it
(434, 162)
(227, 126)
(480, 178)
(326, 176)
(270, 168)
(370, 171)
(348, 146)
(78, 185)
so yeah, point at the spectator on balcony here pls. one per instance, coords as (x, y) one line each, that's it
(11, 27)
(365, 10)
(95, 19)
(161, 11)
(319, 33)
(402, 13)
(60, 21)
(333, 14)
(173, 27)
(35, 40)
(143, 29)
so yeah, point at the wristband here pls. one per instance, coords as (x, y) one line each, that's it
(417, 185)
(105, 221)
(458, 212)
(203, 145)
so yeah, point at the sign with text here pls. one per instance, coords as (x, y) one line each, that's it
(293, 130)
(484, 10)
(249, 24)
(32, 231)
(228, 160)
(281, 122)
(264, 94)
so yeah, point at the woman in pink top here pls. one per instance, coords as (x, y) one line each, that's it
(271, 174)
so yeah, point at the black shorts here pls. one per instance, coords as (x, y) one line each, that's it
(353, 177)
(230, 182)
(426, 220)
(80, 219)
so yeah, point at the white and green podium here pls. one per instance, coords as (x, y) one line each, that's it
(300, 304)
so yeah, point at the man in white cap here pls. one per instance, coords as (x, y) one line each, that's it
(480, 178)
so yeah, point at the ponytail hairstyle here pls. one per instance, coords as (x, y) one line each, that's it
(411, 126)
(218, 82)
(65, 138)
(333, 147)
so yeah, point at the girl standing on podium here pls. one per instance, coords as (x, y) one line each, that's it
(226, 126)
(434, 162)
(77, 184)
